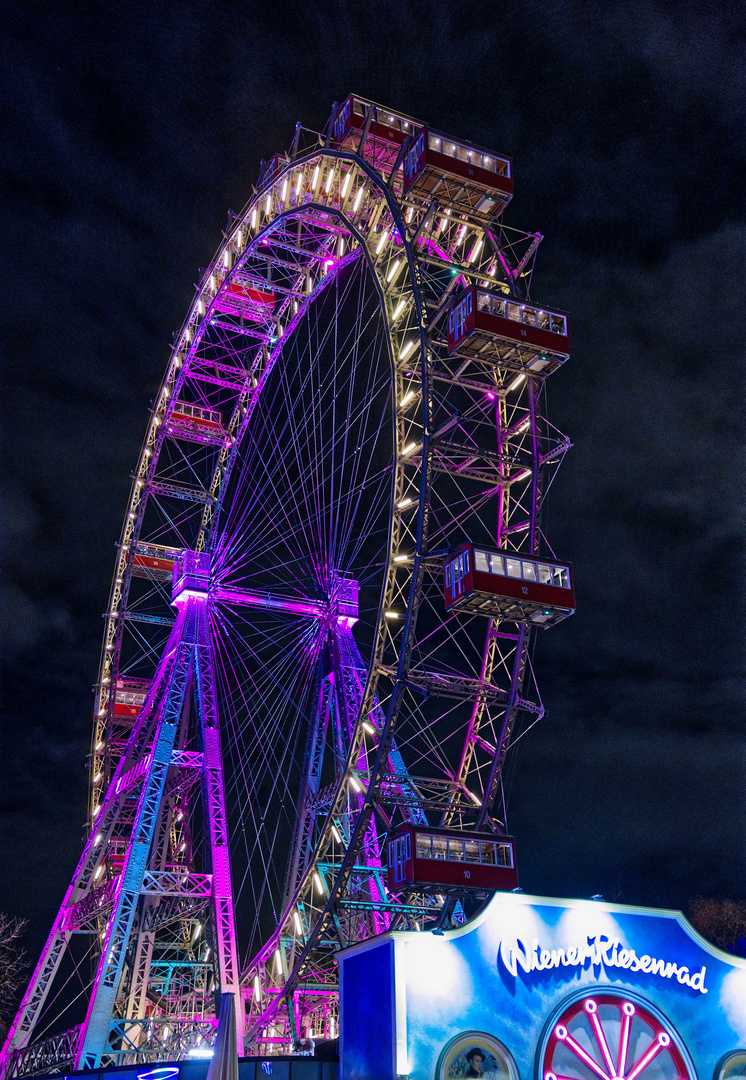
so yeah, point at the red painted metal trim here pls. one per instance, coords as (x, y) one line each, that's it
(533, 335)
(496, 585)
(483, 177)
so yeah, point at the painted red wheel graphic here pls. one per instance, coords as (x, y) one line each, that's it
(607, 1037)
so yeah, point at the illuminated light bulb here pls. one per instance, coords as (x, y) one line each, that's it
(200, 306)
(207, 954)
(393, 271)
(354, 784)
(239, 238)
(522, 476)
(97, 777)
(318, 882)
(226, 258)
(198, 931)
(99, 871)
(346, 184)
(341, 247)
(398, 310)
(460, 237)
(315, 178)
(392, 614)
(278, 960)
(98, 840)
(298, 928)
(299, 185)
(475, 251)
(358, 199)
(382, 241)
(329, 181)
(369, 727)
(404, 502)
(410, 212)
(96, 811)
(406, 350)
(257, 992)
(253, 219)
(166, 1033)
(408, 449)
(517, 381)
(524, 427)
(406, 399)
(283, 196)
(268, 205)
(180, 815)
(99, 745)
(335, 834)
(401, 558)
(473, 797)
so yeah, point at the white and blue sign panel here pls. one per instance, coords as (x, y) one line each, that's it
(545, 989)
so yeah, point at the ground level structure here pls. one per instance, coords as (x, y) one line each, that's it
(546, 989)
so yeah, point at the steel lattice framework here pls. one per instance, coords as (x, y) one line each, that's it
(314, 452)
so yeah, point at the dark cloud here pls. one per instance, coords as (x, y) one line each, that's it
(130, 131)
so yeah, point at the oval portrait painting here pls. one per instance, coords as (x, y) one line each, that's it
(474, 1054)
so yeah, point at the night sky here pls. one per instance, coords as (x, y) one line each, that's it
(132, 128)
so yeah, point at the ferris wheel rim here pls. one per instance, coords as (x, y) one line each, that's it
(361, 251)
(135, 506)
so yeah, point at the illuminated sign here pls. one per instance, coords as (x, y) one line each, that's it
(536, 988)
(595, 951)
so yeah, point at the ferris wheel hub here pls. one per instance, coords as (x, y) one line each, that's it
(191, 576)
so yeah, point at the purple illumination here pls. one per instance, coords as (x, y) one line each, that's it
(343, 605)
(490, 395)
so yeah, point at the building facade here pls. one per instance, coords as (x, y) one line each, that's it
(537, 988)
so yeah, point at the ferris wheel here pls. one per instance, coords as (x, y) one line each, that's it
(320, 625)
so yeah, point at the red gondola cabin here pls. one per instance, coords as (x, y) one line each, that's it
(195, 423)
(482, 321)
(434, 157)
(248, 299)
(509, 585)
(393, 127)
(431, 859)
